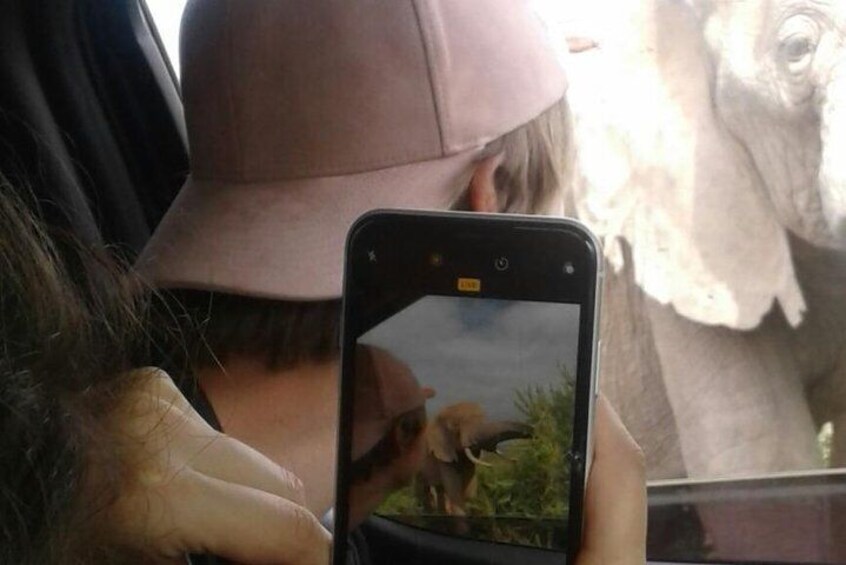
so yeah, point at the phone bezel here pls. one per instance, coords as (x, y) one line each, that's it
(454, 226)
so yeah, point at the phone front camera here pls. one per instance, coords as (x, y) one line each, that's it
(501, 264)
(436, 260)
(569, 268)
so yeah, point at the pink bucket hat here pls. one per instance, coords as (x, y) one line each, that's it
(385, 388)
(304, 114)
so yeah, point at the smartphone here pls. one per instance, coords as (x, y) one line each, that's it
(468, 381)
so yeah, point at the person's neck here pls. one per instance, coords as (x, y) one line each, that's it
(366, 496)
(288, 415)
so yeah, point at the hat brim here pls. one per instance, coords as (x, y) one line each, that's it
(285, 240)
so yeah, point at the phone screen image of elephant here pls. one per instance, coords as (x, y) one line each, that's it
(487, 457)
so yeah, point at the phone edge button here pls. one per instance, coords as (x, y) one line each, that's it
(597, 369)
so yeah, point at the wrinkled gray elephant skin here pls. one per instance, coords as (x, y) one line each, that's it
(711, 140)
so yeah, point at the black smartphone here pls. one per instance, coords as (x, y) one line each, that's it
(468, 380)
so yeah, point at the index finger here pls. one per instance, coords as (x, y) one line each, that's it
(248, 525)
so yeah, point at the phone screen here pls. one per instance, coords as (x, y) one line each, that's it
(463, 347)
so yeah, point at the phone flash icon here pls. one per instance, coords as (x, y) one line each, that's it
(469, 285)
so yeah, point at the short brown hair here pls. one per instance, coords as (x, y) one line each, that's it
(282, 334)
(216, 326)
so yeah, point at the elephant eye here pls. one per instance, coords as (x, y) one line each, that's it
(797, 51)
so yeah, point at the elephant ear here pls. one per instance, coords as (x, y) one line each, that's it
(453, 429)
(442, 442)
(657, 168)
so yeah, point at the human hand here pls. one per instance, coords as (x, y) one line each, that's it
(191, 489)
(615, 502)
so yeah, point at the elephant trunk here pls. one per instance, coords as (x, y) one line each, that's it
(833, 165)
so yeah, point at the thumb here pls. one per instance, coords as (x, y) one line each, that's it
(615, 502)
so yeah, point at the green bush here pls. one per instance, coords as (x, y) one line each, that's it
(402, 502)
(535, 483)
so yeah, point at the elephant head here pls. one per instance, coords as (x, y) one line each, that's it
(780, 87)
(456, 437)
(716, 128)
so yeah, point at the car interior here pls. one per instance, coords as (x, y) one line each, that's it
(91, 123)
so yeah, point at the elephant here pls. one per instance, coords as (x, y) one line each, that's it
(711, 162)
(456, 438)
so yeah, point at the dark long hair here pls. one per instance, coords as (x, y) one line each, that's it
(72, 323)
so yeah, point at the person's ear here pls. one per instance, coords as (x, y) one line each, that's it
(483, 196)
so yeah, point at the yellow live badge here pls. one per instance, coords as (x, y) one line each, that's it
(469, 285)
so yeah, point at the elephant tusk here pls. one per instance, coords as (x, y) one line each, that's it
(475, 459)
(506, 457)
(581, 44)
